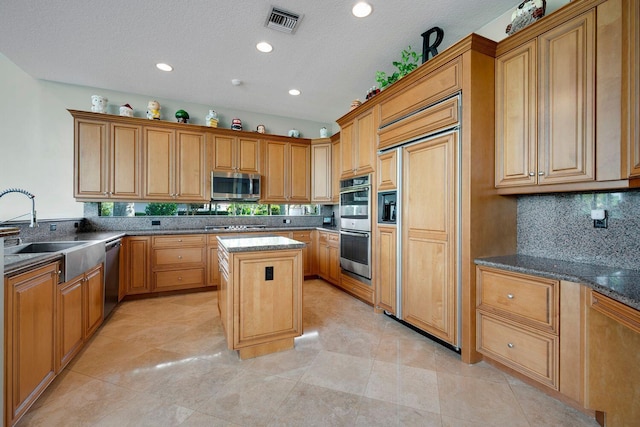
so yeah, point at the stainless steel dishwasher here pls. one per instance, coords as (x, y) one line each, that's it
(111, 275)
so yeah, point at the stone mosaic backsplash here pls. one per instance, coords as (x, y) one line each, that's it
(560, 226)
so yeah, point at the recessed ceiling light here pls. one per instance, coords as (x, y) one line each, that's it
(361, 9)
(236, 82)
(164, 67)
(264, 47)
(294, 92)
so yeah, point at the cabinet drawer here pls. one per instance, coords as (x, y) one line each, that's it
(302, 236)
(179, 240)
(178, 256)
(527, 299)
(179, 279)
(532, 353)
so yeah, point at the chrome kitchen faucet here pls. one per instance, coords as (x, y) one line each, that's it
(33, 203)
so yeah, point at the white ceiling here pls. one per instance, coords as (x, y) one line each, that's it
(332, 58)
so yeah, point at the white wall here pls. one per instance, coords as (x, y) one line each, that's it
(36, 136)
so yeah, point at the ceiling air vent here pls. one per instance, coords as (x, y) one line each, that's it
(282, 20)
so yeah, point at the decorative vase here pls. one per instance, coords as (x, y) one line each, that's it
(294, 133)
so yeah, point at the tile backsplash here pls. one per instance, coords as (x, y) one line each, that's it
(560, 226)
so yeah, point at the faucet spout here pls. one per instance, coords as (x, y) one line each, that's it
(33, 221)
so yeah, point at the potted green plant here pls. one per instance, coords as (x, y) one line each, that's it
(410, 60)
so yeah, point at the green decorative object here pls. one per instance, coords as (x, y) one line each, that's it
(182, 116)
(410, 61)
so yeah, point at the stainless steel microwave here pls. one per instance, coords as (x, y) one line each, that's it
(233, 186)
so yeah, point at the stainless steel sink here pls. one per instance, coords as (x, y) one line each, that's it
(77, 256)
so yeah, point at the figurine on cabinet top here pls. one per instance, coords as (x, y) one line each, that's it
(236, 124)
(98, 104)
(260, 129)
(212, 119)
(126, 110)
(182, 116)
(153, 110)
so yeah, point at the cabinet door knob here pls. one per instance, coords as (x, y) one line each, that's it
(510, 296)
(179, 240)
(532, 174)
(540, 173)
(179, 256)
(179, 278)
(510, 345)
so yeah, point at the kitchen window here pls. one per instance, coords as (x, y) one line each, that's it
(125, 209)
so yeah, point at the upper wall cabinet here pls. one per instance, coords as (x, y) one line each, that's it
(106, 160)
(358, 142)
(551, 134)
(174, 165)
(236, 154)
(287, 172)
(321, 176)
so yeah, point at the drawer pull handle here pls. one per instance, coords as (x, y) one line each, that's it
(510, 345)
(179, 256)
(510, 296)
(179, 278)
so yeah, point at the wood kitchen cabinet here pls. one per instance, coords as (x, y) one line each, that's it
(178, 262)
(137, 264)
(613, 342)
(358, 143)
(213, 271)
(545, 107)
(387, 171)
(259, 314)
(386, 269)
(328, 250)
(518, 323)
(236, 154)
(174, 165)
(321, 171)
(70, 322)
(551, 134)
(308, 253)
(429, 292)
(30, 338)
(335, 167)
(107, 159)
(287, 172)
(93, 300)
(80, 311)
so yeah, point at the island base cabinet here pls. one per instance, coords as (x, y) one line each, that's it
(260, 300)
(29, 338)
(613, 360)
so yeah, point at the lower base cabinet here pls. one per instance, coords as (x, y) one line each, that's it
(80, 311)
(357, 288)
(328, 250)
(613, 359)
(30, 338)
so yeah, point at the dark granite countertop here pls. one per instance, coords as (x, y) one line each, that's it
(621, 284)
(258, 243)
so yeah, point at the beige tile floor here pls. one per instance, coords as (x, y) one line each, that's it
(163, 362)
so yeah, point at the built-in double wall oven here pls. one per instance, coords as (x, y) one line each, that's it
(355, 227)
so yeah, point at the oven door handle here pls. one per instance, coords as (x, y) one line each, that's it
(356, 234)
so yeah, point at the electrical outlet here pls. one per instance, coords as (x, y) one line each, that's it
(286, 221)
(155, 222)
(53, 227)
(600, 223)
(268, 273)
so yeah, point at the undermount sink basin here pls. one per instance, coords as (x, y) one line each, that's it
(43, 247)
(77, 256)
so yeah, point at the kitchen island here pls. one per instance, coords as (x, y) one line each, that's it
(260, 293)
